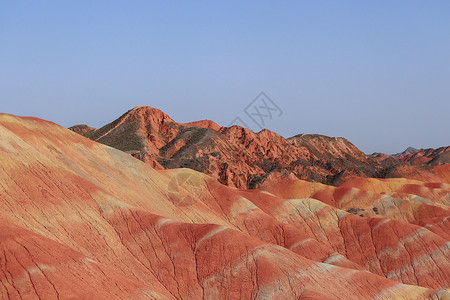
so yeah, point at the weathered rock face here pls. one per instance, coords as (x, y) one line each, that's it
(235, 156)
(83, 220)
(331, 148)
(339, 154)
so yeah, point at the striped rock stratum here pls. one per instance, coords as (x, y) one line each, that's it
(82, 220)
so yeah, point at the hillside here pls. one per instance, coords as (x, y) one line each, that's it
(84, 220)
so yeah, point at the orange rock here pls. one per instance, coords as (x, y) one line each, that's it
(83, 220)
(235, 156)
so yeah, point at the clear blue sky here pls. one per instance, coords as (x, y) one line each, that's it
(375, 72)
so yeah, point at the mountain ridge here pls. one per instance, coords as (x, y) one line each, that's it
(236, 156)
(239, 157)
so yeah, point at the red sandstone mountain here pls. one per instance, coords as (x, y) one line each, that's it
(235, 156)
(82, 220)
(414, 156)
(205, 124)
(414, 164)
(431, 156)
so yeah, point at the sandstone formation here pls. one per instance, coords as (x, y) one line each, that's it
(240, 158)
(235, 156)
(413, 156)
(84, 220)
(430, 156)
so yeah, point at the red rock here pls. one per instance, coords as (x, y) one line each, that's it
(84, 220)
(235, 156)
(430, 156)
(205, 124)
(82, 129)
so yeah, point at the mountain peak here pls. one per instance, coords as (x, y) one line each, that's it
(407, 151)
(205, 124)
(147, 112)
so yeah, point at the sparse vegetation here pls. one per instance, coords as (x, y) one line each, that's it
(127, 142)
(195, 137)
(385, 172)
(96, 134)
(356, 211)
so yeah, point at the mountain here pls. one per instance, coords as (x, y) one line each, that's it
(428, 156)
(83, 220)
(414, 156)
(143, 129)
(337, 152)
(407, 151)
(413, 164)
(441, 159)
(81, 129)
(235, 156)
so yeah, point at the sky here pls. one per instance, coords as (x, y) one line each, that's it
(374, 72)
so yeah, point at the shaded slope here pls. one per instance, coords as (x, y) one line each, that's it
(338, 152)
